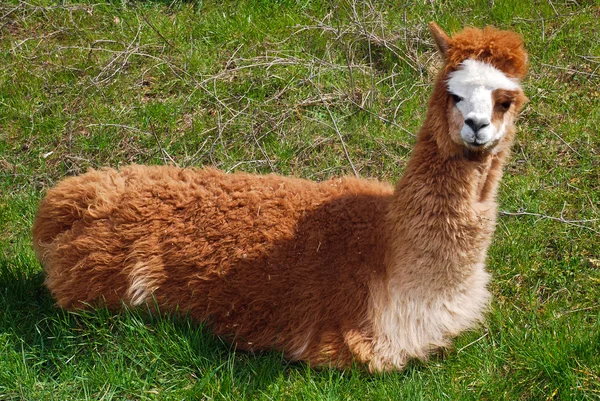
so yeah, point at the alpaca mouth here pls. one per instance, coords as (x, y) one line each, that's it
(478, 144)
(481, 145)
(475, 142)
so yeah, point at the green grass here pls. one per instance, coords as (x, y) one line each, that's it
(261, 86)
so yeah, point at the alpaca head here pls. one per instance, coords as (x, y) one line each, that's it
(481, 82)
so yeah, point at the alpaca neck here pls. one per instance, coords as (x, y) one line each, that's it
(443, 214)
(451, 179)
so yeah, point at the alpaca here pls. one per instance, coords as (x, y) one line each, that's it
(334, 273)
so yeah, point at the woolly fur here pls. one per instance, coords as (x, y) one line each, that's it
(330, 273)
(502, 49)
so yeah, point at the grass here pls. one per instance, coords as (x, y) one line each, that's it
(310, 89)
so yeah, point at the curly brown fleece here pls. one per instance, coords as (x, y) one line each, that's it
(261, 258)
(314, 270)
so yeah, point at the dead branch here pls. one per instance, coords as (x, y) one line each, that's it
(574, 223)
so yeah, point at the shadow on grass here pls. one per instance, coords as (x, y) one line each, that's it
(48, 338)
(52, 342)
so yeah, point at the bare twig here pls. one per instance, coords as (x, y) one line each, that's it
(244, 162)
(271, 59)
(104, 75)
(565, 142)
(575, 223)
(553, 8)
(189, 160)
(472, 343)
(379, 116)
(221, 128)
(151, 25)
(571, 70)
(271, 165)
(128, 127)
(362, 26)
(339, 134)
(162, 150)
(561, 314)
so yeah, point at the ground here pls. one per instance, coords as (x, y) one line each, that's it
(308, 89)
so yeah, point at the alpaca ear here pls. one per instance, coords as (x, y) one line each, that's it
(441, 39)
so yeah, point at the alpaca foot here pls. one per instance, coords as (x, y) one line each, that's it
(381, 364)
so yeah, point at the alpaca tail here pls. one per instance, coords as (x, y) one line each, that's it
(75, 199)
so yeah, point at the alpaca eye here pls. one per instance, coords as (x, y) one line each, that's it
(456, 98)
(506, 105)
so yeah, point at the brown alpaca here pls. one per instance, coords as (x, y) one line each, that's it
(330, 273)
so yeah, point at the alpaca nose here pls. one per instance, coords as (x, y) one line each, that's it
(476, 124)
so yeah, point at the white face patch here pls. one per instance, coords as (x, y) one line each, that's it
(472, 86)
